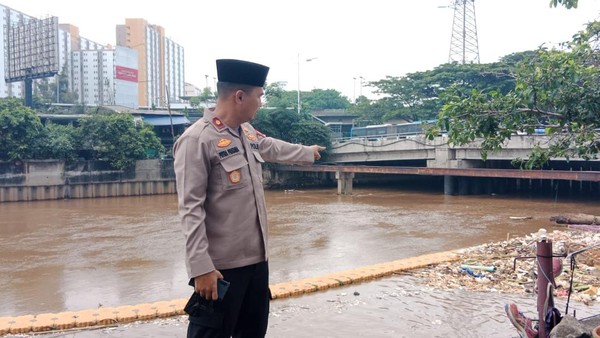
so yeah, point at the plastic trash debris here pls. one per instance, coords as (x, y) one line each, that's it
(489, 268)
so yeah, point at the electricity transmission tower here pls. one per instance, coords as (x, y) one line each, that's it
(464, 47)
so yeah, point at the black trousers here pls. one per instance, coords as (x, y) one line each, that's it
(243, 312)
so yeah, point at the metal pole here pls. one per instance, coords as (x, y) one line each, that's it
(29, 92)
(354, 90)
(57, 89)
(361, 84)
(169, 109)
(298, 83)
(544, 278)
(464, 32)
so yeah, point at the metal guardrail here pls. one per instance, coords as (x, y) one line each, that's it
(375, 138)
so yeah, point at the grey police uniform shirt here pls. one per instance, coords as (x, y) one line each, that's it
(220, 192)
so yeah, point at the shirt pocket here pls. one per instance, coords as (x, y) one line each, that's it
(235, 173)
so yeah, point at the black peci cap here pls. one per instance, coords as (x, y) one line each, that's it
(242, 72)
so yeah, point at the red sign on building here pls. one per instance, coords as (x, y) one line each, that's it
(127, 74)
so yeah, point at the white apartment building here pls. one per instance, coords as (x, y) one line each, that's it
(174, 70)
(106, 77)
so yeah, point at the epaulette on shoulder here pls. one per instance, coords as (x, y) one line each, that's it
(259, 134)
(217, 123)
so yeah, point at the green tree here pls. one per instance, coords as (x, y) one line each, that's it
(316, 99)
(207, 96)
(416, 96)
(369, 112)
(308, 133)
(567, 3)
(46, 92)
(277, 97)
(59, 142)
(277, 123)
(319, 99)
(153, 146)
(558, 89)
(116, 138)
(20, 130)
(287, 125)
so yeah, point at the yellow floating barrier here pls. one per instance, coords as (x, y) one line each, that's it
(123, 314)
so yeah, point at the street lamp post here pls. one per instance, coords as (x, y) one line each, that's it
(361, 85)
(298, 84)
(298, 91)
(354, 90)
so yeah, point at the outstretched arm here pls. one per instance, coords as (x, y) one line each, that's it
(275, 150)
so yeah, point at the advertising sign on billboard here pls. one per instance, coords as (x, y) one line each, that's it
(127, 74)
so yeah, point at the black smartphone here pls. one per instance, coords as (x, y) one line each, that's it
(222, 287)
(197, 305)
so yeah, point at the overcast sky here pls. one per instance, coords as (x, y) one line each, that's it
(348, 38)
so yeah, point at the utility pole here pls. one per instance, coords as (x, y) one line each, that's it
(169, 110)
(361, 85)
(354, 90)
(298, 91)
(57, 79)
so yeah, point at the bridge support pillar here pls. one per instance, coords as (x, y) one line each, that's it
(477, 184)
(344, 181)
(463, 185)
(449, 185)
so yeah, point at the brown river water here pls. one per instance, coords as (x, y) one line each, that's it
(71, 255)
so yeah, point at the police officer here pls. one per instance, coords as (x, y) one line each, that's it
(222, 205)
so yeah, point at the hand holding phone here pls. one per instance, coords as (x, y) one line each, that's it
(197, 305)
(222, 287)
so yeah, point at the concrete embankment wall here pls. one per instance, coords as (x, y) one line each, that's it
(47, 180)
(50, 180)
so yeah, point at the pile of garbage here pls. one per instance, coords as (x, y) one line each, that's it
(492, 267)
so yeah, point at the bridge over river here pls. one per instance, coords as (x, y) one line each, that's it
(462, 167)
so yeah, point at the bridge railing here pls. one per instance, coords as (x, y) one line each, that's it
(375, 138)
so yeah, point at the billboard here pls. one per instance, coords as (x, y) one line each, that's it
(126, 74)
(31, 49)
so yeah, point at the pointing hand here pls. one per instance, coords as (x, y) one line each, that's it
(316, 150)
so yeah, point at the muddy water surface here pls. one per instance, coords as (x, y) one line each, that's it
(79, 254)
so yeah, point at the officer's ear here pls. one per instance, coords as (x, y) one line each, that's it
(239, 96)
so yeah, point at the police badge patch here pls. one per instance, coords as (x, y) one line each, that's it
(235, 176)
(223, 143)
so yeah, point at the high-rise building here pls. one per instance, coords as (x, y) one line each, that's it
(160, 60)
(70, 41)
(106, 77)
